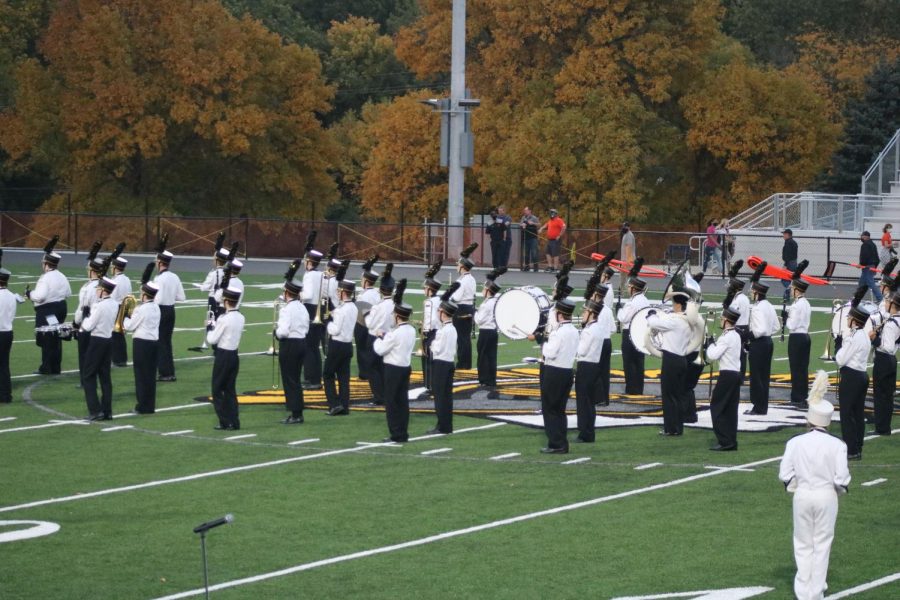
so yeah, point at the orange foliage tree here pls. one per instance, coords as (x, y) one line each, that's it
(176, 106)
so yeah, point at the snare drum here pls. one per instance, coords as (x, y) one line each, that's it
(520, 312)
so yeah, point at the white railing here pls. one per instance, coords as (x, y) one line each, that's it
(884, 170)
(809, 211)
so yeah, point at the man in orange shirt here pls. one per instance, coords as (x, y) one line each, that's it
(555, 227)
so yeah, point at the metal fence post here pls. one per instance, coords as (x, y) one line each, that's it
(75, 246)
(246, 237)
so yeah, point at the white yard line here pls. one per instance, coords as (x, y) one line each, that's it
(182, 432)
(436, 451)
(576, 461)
(874, 482)
(460, 532)
(44, 426)
(7, 419)
(307, 441)
(864, 587)
(505, 456)
(118, 428)
(243, 436)
(647, 466)
(729, 468)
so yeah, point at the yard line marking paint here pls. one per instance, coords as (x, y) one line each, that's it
(308, 441)
(730, 468)
(647, 466)
(436, 451)
(465, 430)
(194, 477)
(575, 461)
(875, 435)
(865, 587)
(8, 419)
(874, 482)
(44, 426)
(505, 456)
(241, 437)
(461, 532)
(118, 428)
(182, 432)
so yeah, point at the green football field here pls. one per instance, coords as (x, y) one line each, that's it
(325, 510)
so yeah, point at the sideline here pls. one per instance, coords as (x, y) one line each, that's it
(461, 532)
(863, 587)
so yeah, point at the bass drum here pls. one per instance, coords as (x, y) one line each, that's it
(639, 331)
(520, 312)
(839, 318)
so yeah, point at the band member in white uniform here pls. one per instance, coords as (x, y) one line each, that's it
(49, 298)
(814, 467)
(464, 298)
(144, 326)
(213, 280)
(230, 273)
(443, 350)
(8, 302)
(371, 297)
(740, 304)
(430, 324)
(799, 314)
(487, 339)
(87, 298)
(884, 372)
(291, 331)
(312, 294)
(854, 382)
(170, 292)
(588, 384)
(632, 358)
(396, 347)
(556, 377)
(98, 359)
(123, 288)
(332, 283)
(676, 336)
(340, 350)
(379, 321)
(225, 338)
(603, 295)
(608, 298)
(723, 406)
(763, 324)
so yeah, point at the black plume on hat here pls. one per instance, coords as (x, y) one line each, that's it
(332, 251)
(563, 289)
(601, 266)
(592, 284)
(800, 268)
(468, 250)
(635, 269)
(445, 297)
(564, 270)
(367, 266)
(95, 250)
(398, 292)
(433, 269)
(757, 273)
(735, 267)
(494, 274)
(148, 272)
(51, 244)
(310, 241)
(162, 243)
(220, 241)
(342, 270)
(858, 295)
(292, 270)
(387, 282)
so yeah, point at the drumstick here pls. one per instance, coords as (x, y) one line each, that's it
(522, 331)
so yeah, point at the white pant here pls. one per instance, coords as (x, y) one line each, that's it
(815, 512)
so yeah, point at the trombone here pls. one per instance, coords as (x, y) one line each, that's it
(827, 353)
(277, 305)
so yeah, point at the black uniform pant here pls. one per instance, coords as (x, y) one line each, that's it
(119, 349)
(487, 357)
(145, 354)
(852, 399)
(798, 357)
(760, 359)
(337, 367)
(83, 339)
(50, 343)
(312, 358)
(556, 383)
(224, 387)
(672, 388)
(633, 364)
(692, 375)
(605, 359)
(97, 363)
(442, 386)
(588, 388)
(884, 384)
(427, 359)
(396, 401)
(744, 332)
(376, 372)
(361, 337)
(6, 340)
(290, 363)
(723, 407)
(166, 327)
(462, 321)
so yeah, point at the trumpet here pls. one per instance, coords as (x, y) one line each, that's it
(323, 296)
(126, 308)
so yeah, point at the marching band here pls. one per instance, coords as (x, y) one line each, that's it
(324, 304)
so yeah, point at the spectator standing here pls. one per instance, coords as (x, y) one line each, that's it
(789, 258)
(628, 248)
(530, 224)
(868, 261)
(497, 229)
(727, 242)
(507, 241)
(711, 245)
(887, 245)
(555, 227)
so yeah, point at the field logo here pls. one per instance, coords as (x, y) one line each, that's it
(37, 529)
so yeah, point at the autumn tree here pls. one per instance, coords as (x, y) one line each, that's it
(162, 105)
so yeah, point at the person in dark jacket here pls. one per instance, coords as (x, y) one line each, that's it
(789, 258)
(498, 230)
(868, 260)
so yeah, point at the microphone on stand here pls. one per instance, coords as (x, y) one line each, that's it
(214, 523)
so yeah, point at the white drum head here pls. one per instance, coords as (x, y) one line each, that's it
(518, 311)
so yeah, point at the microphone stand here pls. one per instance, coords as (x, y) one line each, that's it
(205, 567)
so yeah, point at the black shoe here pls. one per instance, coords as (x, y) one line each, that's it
(166, 378)
(336, 411)
(121, 364)
(721, 448)
(434, 431)
(40, 372)
(602, 403)
(388, 440)
(95, 417)
(691, 419)
(753, 411)
(857, 456)
(106, 417)
(668, 433)
(372, 404)
(311, 386)
(554, 450)
(221, 427)
(293, 420)
(800, 405)
(494, 395)
(876, 432)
